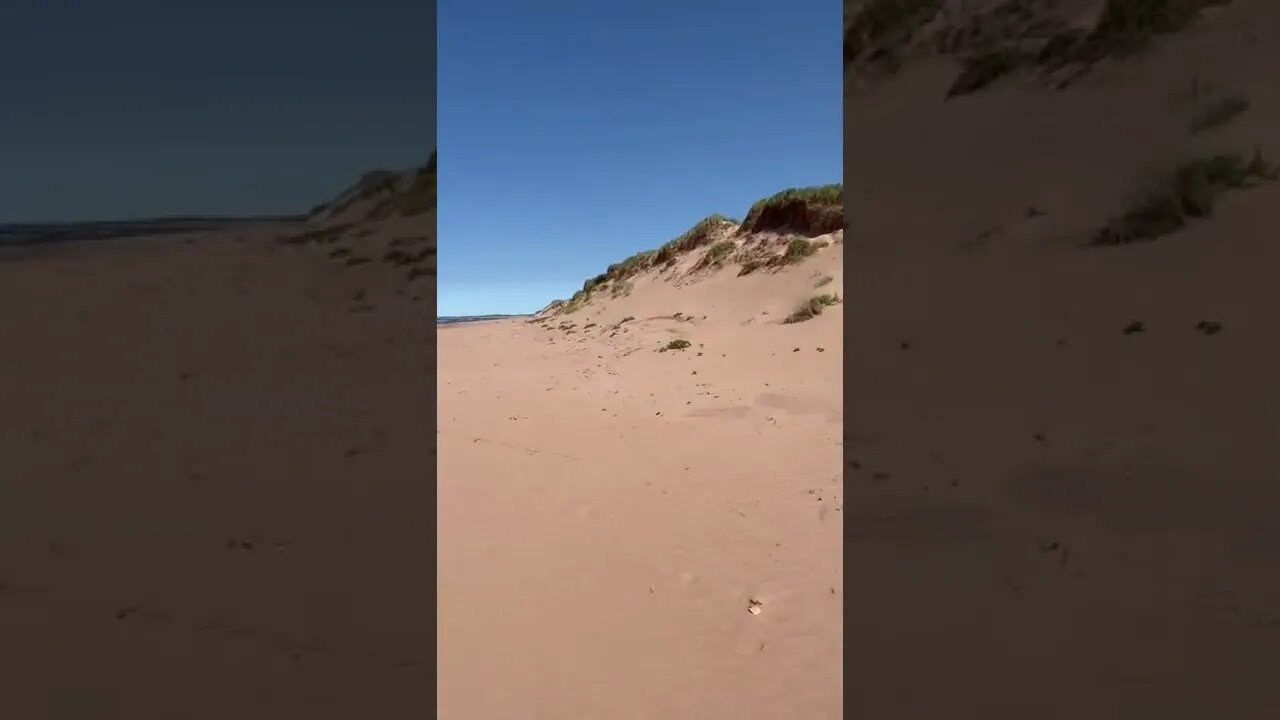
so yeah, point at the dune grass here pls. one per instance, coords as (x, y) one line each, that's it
(798, 249)
(810, 210)
(420, 196)
(677, 344)
(633, 265)
(1191, 191)
(985, 68)
(819, 206)
(716, 255)
(818, 195)
(719, 251)
(1127, 25)
(882, 26)
(1124, 27)
(811, 308)
(702, 233)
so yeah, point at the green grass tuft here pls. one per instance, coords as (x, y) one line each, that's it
(695, 237)
(677, 344)
(1128, 25)
(811, 308)
(798, 249)
(984, 69)
(1191, 191)
(633, 265)
(716, 254)
(420, 196)
(719, 251)
(882, 26)
(818, 195)
(1124, 27)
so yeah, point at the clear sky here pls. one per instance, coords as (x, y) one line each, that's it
(573, 133)
(123, 109)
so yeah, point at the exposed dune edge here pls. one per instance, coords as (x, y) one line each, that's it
(1060, 474)
(778, 231)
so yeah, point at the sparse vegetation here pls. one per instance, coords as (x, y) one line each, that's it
(1219, 113)
(620, 288)
(677, 344)
(882, 27)
(716, 255)
(400, 258)
(1124, 27)
(386, 193)
(700, 234)
(1191, 191)
(575, 303)
(822, 281)
(420, 196)
(811, 308)
(321, 236)
(1127, 25)
(719, 251)
(810, 211)
(984, 69)
(798, 249)
(633, 265)
(592, 283)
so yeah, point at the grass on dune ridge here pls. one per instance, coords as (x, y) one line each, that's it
(713, 230)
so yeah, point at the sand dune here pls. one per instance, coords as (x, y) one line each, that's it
(1061, 497)
(628, 531)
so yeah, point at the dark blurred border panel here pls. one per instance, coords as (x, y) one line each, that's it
(217, 360)
(1061, 420)
(850, 456)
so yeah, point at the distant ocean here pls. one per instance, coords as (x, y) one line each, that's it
(19, 234)
(453, 320)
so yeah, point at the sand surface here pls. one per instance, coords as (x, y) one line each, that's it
(1049, 517)
(609, 513)
(213, 483)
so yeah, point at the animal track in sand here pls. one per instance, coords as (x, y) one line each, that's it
(525, 449)
(734, 411)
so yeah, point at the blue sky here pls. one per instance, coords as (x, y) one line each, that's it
(126, 109)
(574, 133)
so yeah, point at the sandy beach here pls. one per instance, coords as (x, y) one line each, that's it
(214, 479)
(625, 532)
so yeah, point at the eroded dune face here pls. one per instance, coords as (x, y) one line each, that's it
(1058, 408)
